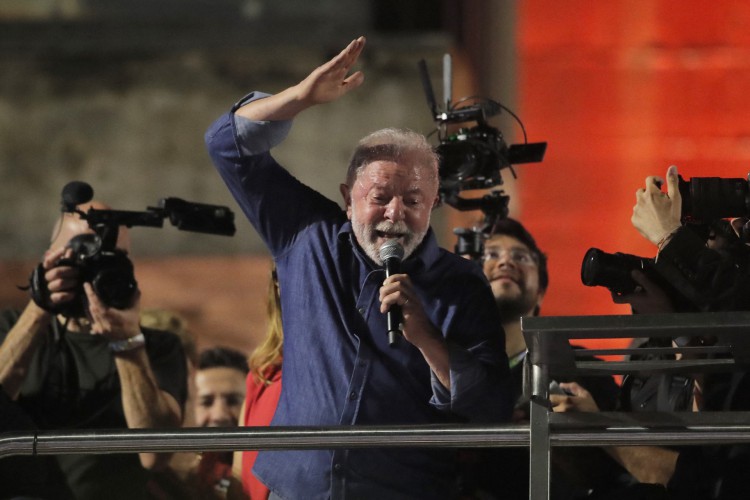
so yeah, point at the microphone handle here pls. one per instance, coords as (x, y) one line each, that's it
(394, 316)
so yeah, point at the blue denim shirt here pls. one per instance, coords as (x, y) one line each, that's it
(338, 368)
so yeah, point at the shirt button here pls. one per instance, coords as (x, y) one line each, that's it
(337, 468)
(361, 311)
(352, 396)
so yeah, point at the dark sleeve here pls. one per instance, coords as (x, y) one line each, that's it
(168, 363)
(711, 280)
(481, 388)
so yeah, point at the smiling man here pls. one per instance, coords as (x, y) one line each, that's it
(517, 271)
(338, 367)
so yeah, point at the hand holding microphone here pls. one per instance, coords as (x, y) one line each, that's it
(391, 253)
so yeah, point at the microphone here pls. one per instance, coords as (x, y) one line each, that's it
(391, 254)
(75, 193)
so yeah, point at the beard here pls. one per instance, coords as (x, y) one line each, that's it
(367, 235)
(512, 308)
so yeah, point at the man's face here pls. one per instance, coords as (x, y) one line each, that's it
(220, 393)
(513, 273)
(390, 201)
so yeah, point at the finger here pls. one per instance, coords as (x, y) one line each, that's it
(51, 257)
(643, 280)
(654, 182)
(354, 81)
(620, 298)
(388, 301)
(557, 399)
(673, 187)
(574, 388)
(96, 307)
(738, 224)
(61, 297)
(348, 56)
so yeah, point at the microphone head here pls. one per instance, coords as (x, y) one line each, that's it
(391, 249)
(75, 193)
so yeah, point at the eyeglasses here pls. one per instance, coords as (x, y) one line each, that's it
(519, 256)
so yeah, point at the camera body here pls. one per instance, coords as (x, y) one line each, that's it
(473, 156)
(109, 271)
(706, 199)
(107, 268)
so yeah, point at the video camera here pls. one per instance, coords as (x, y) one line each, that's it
(705, 202)
(107, 268)
(472, 157)
(706, 199)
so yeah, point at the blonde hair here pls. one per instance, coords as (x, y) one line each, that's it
(269, 352)
(172, 321)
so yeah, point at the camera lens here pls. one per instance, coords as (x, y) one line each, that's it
(610, 270)
(85, 246)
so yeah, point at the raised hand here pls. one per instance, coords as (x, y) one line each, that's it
(656, 214)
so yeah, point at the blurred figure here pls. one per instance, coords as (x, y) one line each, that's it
(219, 394)
(263, 389)
(517, 271)
(72, 361)
(712, 274)
(220, 387)
(172, 321)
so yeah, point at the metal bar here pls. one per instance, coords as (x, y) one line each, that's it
(539, 442)
(306, 438)
(261, 438)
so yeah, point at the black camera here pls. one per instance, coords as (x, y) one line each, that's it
(706, 199)
(107, 268)
(472, 157)
(109, 271)
(612, 270)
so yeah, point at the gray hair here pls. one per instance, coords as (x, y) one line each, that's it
(396, 145)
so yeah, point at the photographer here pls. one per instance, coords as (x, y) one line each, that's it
(89, 371)
(711, 274)
(713, 279)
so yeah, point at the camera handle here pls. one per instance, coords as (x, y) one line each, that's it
(493, 205)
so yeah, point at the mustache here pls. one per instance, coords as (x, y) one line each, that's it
(393, 228)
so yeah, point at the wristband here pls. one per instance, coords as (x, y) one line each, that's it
(128, 344)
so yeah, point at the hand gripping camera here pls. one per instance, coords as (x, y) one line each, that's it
(705, 202)
(107, 268)
(472, 157)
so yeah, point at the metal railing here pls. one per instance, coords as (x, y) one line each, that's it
(576, 430)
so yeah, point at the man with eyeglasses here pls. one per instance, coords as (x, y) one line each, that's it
(517, 271)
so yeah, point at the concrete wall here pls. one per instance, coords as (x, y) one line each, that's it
(132, 124)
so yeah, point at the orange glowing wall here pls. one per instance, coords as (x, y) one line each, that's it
(620, 90)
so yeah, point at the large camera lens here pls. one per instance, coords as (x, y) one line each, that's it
(610, 270)
(113, 279)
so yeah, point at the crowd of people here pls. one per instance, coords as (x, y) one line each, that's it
(460, 356)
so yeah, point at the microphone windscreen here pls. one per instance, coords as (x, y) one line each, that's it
(391, 249)
(75, 193)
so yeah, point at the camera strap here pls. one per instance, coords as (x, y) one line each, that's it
(39, 291)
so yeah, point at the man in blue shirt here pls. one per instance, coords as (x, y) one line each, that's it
(339, 368)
